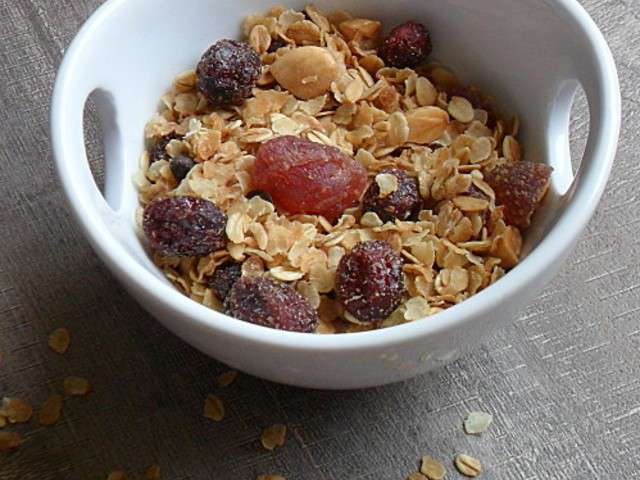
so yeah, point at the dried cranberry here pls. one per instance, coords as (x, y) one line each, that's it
(407, 46)
(402, 204)
(224, 277)
(271, 304)
(520, 187)
(305, 177)
(181, 166)
(159, 150)
(184, 226)
(259, 193)
(370, 281)
(228, 72)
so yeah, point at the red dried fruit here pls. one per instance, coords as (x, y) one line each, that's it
(272, 304)
(520, 187)
(184, 226)
(181, 166)
(407, 46)
(402, 204)
(228, 71)
(370, 281)
(224, 278)
(305, 177)
(159, 150)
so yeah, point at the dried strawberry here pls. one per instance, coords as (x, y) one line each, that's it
(228, 71)
(184, 226)
(370, 281)
(520, 187)
(272, 304)
(305, 177)
(401, 204)
(407, 46)
(224, 278)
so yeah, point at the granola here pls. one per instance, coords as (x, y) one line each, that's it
(324, 80)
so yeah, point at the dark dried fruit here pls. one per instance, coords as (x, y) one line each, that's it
(305, 177)
(370, 281)
(407, 46)
(159, 150)
(228, 72)
(224, 278)
(259, 193)
(402, 204)
(520, 187)
(271, 304)
(277, 44)
(184, 226)
(181, 166)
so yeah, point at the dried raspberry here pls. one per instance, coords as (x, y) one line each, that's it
(224, 277)
(305, 177)
(228, 72)
(184, 226)
(370, 282)
(271, 304)
(401, 204)
(407, 46)
(181, 166)
(159, 150)
(520, 187)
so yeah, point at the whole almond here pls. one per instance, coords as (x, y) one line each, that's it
(307, 72)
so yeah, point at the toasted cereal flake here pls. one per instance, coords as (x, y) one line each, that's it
(270, 477)
(281, 273)
(117, 475)
(16, 410)
(467, 465)
(51, 410)
(427, 124)
(461, 109)
(417, 476)
(388, 184)
(304, 33)
(399, 132)
(416, 308)
(273, 436)
(480, 150)
(76, 386)
(371, 220)
(59, 340)
(426, 93)
(432, 468)
(227, 378)
(214, 408)
(477, 422)
(3, 421)
(153, 473)
(511, 149)
(260, 38)
(9, 441)
(471, 204)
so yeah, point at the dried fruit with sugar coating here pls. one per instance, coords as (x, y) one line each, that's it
(181, 166)
(520, 187)
(401, 204)
(272, 304)
(224, 278)
(370, 281)
(305, 177)
(184, 226)
(407, 46)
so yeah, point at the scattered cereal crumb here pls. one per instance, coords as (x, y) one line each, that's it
(16, 410)
(432, 468)
(117, 475)
(477, 422)
(270, 477)
(417, 476)
(227, 378)
(76, 386)
(59, 340)
(9, 441)
(3, 422)
(153, 472)
(468, 466)
(214, 408)
(273, 436)
(51, 410)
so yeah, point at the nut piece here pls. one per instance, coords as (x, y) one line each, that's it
(432, 468)
(468, 466)
(461, 109)
(227, 378)
(9, 441)
(477, 422)
(507, 247)
(273, 436)
(153, 473)
(427, 124)
(307, 72)
(214, 408)
(15, 410)
(51, 410)
(59, 340)
(76, 386)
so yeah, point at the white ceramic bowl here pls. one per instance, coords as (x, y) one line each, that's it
(531, 55)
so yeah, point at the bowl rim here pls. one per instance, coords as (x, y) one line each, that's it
(552, 247)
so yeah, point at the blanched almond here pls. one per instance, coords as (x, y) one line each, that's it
(307, 72)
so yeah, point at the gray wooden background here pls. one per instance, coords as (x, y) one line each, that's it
(562, 380)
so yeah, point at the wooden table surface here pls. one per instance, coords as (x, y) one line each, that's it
(562, 380)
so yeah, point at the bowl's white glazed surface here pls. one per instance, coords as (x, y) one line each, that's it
(530, 55)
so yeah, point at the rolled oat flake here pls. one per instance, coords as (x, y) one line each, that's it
(477, 422)
(468, 466)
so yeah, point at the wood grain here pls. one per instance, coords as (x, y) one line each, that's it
(562, 379)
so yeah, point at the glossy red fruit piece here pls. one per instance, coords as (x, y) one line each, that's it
(272, 304)
(520, 187)
(305, 177)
